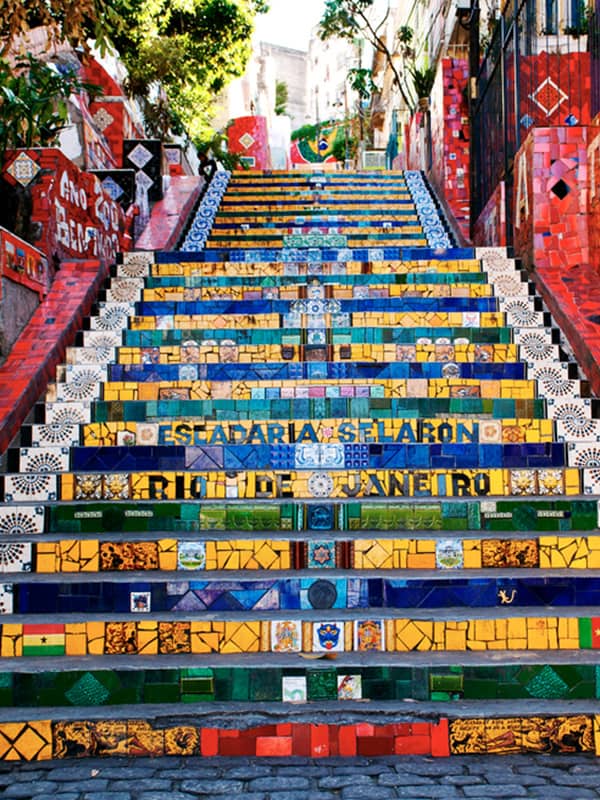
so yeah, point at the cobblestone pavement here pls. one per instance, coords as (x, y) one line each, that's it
(411, 778)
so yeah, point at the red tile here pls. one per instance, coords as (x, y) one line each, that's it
(274, 746)
(319, 741)
(209, 741)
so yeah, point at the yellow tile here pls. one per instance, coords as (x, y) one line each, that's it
(456, 640)
(76, 639)
(241, 637)
(12, 641)
(537, 633)
(408, 635)
(95, 638)
(517, 628)
(167, 554)
(485, 630)
(472, 554)
(147, 637)
(46, 557)
(423, 561)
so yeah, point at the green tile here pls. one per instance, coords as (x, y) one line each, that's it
(321, 684)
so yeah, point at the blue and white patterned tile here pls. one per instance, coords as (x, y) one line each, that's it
(6, 598)
(125, 290)
(509, 286)
(520, 312)
(584, 456)
(16, 557)
(553, 380)
(21, 520)
(30, 487)
(112, 317)
(136, 264)
(44, 459)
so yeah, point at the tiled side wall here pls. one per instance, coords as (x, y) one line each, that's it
(550, 199)
(490, 226)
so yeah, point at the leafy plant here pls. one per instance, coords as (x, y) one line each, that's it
(216, 147)
(352, 19)
(73, 21)
(191, 48)
(361, 81)
(281, 97)
(423, 80)
(33, 101)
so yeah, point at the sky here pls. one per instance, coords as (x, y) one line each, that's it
(289, 22)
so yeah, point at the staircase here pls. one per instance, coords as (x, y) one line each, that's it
(317, 457)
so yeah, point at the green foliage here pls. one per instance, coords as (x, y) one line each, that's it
(192, 48)
(423, 80)
(281, 97)
(360, 79)
(343, 18)
(305, 132)
(73, 21)
(352, 19)
(33, 101)
(215, 146)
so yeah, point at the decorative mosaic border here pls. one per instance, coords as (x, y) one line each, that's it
(428, 214)
(202, 556)
(40, 740)
(202, 223)
(293, 636)
(434, 684)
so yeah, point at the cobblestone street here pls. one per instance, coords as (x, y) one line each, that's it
(411, 778)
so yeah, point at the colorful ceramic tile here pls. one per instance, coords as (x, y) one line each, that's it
(286, 636)
(293, 689)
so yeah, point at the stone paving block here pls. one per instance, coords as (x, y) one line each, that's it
(212, 787)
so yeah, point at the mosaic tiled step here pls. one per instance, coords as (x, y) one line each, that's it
(225, 382)
(97, 687)
(264, 409)
(250, 484)
(385, 456)
(88, 555)
(39, 740)
(502, 420)
(194, 634)
(312, 256)
(374, 290)
(406, 239)
(204, 353)
(297, 336)
(416, 304)
(312, 216)
(357, 319)
(521, 515)
(265, 281)
(284, 594)
(328, 431)
(194, 265)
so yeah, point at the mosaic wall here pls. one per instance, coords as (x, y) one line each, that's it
(450, 139)
(550, 198)
(111, 113)
(77, 218)
(22, 263)
(248, 138)
(490, 226)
